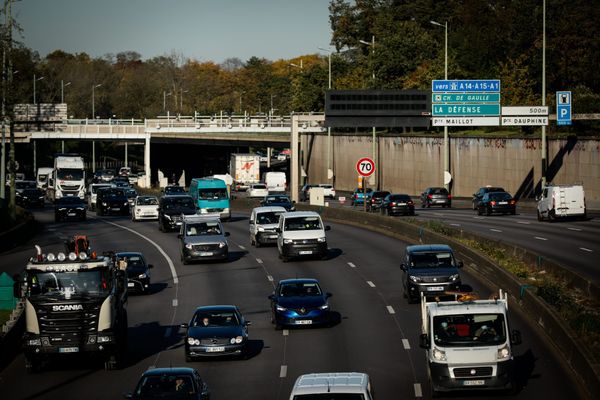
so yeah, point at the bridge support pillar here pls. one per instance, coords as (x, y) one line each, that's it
(306, 120)
(93, 156)
(126, 164)
(147, 159)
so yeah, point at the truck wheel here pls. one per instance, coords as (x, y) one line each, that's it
(551, 215)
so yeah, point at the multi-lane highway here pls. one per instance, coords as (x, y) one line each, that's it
(377, 332)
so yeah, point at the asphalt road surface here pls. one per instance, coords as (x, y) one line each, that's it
(377, 332)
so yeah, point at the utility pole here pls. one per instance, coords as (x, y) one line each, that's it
(9, 106)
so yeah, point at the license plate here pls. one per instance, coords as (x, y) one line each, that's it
(130, 284)
(177, 223)
(435, 288)
(304, 252)
(215, 349)
(68, 349)
(206, 253)
(303, 322)
(273, 237)
(71, 214)
(503, 202)
(479, 382)
(116, 209)
(401, 204)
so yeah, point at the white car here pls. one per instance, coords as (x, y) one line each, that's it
(144, 207)
(258, 190)
(328, 190)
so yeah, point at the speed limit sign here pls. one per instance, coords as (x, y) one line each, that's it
(365, 167)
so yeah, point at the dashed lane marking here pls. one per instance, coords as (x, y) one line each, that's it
(495, 230)
(242, 247)
(454, 224)
(370, 284)
(575, 229)
(588, 250)
(523, 222)
(406, 344)
(258, 260)
(175, 302)
(418, 390)
(270, 278)
(352, 265)
(283, 371)
(391, 309)
(286, 332)
(540, 238)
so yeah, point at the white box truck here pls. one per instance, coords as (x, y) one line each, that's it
(245, 169)
(68, 177)
(561, 201)
(468, 343)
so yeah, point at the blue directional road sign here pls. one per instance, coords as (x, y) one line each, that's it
(470, 109)
(563, 108)
(466, 86)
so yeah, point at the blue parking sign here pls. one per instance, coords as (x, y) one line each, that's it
(563, 108)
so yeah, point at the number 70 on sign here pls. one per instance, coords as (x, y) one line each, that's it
(365, 167)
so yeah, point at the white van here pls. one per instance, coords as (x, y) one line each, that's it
(301, 233)
(275, 181)
(561, 201)
(336, 385)
(263, 225)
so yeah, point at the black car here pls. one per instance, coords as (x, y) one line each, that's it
(138, 272)
(131, 194)
(278, 200)
(103, 175)
(170, 383)
(477, 196)
(112, 200)
(69, 207)
(395, 204)
(171, 209)
(121, 181)
(216, 331)
(30, 198)
(299, 302)
(497, 203)
(173, 190)
(376, 200)
(431, 269)
(305, 192)
(436, 196)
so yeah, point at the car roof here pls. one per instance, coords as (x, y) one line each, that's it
(129, 254)
(424, 248)
(298, 280)
(176, 196)
(169, 371)
(224, 307)
(269, 209)
(200, 218)
(332, 382)
(294, 214)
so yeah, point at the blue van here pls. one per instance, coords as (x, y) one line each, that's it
(211, 197)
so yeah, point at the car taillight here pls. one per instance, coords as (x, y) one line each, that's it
(493, 203)
(372, 200)
(513, 202)
(393, 204)
(430, 196)
(410, 202)
(449, 196)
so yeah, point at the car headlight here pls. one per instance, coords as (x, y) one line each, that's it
(193, 342)
(415, 279)
(143, 276)
(189, 246)
(222, 244)
(239, 339)
(41, 197)
(104, 204)
(103, 339)
(34, 342)
(288, 241)
(454, 277)
(324, 307)
(126, 203)
(80, 208)
(503, 352)
(321, 240)
(280, 308)
(261, 229)
(203, 211)
(439, 354)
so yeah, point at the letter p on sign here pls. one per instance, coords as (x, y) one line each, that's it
(365, 167)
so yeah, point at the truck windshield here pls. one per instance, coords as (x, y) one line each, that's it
(303, 224)
(212, 194)
(70, 174)
(270, 217)
(432, 260)
(462, 330)
(68, 283)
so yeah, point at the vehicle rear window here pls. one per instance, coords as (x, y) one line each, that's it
(500, 196)
(400, 197)
(259, 186)
(439, 191)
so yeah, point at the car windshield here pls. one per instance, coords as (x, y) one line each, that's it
(270, 217)
(330, 396)
(130, 193)
(380, 194)
(212, 194)
(432, 260)
(166, 387)
(399, 197)
(134, 262)
(303, 224)
(300, 289)
(95, 188)
(203, 228)
(25, 184)
(69, 174)
(183, 202)
(500, 196)
(469, 330)
(441, 191)
(174, 189)
(111, 193)
(68, 283)
(217, 318)
(147, 201)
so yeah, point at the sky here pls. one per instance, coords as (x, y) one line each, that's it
(205, 30)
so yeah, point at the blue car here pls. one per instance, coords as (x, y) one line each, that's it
(278, 200)
(299, 302)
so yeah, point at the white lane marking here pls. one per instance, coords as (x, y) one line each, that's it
(406, 344)
(352, 265)
(242, 247)
(370, 284)
(438, 214)
(391, 309)
(540, 238)
(51, 229)
(286, 332)
(495, 230)
(454, 224)
(168, 332)
(418, 390)
(258, 260)
(283, 371)
(270, 278)
(160, 250)
(588, 250)
(478, 217)
(523, 222)
(62, 237)
(575, 229)
(175, 302)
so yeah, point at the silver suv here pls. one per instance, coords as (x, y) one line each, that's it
(202, 238)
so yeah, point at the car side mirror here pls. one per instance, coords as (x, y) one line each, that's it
(515, 337)
(158, 209)
(150, 266)
(537, 198)
(179, 235)
(184, 326)
(403, 267)
(227, 234)
(424, 341)
(251, 222)
(248, 323)
(328, 295)
(460, 264)
(293, 201)
(327, 228)
(271, 297)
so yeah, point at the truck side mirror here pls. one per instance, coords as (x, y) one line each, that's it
(403, 267)
(278, 230)
(515, 337)
(424, 341)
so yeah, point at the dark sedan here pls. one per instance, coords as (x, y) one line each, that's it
(216, 331)
(299, 302)
(69, 207)
(478, 195)
(436, 196)
(395, 204)
(112, 200)
(170, 383)
(30, 198)
(497, 203)
(278, 201)
(377, 200)
(138, 272)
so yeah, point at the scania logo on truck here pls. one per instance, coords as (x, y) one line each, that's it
(68, 307)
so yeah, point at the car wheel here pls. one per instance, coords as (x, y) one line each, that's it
(56, 218)
(488, 211)
(99, 212)
(479, 211)
(412, 213)
(184, 261)
(513, 212)
(161, 226)
(84, 217)
(539, 216)
(188, 358)
(428, 204)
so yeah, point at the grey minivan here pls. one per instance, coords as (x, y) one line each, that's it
(202, 238)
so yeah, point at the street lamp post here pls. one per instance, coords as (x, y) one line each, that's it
(372, 44)
(35, 80)
(181, 99)
(94, 99)
(165, 94)
(241, 94)
(446, 147)
(544, 151)
(63, 85)
(327, 174)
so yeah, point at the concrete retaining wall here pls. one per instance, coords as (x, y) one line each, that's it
(409, 164)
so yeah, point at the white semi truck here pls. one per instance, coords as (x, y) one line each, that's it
(68, 177)
(245, 169)
(468, 343)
